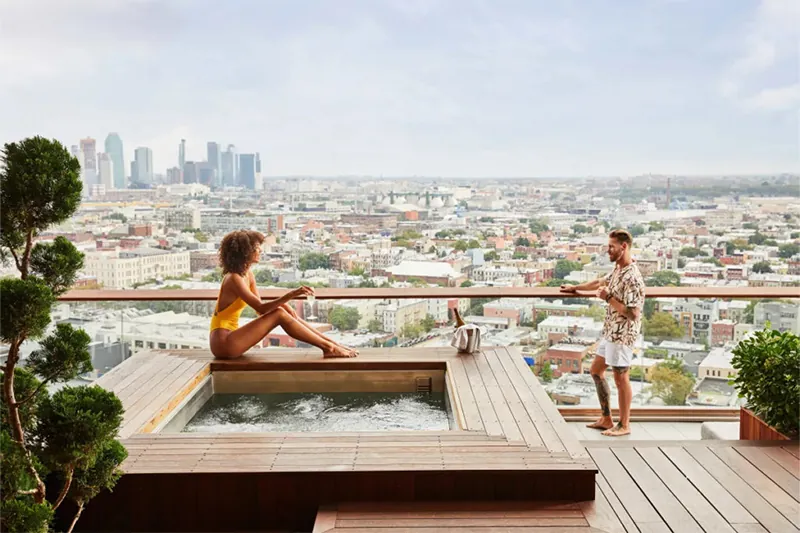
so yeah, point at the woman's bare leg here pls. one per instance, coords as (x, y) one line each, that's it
(314, 331)
(247, 336)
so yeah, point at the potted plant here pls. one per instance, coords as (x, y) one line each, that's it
(768, 365)
(58, 447)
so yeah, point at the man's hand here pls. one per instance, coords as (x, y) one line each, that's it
(602, 293)
(569, 289)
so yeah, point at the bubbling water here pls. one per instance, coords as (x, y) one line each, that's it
(328, 412)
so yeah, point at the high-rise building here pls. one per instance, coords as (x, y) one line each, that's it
(144, 165)
(114, 150)
(228, 163)
(191, 172)
(214, 162)
(182, 154)
(206, 174)
(247, 171)
(105, 170)
(174, 175)
(89, 151)
(134, 171)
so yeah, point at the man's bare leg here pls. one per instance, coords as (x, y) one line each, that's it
(623, 382)
(598, 371)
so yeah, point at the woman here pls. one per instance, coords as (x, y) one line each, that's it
(238, 251)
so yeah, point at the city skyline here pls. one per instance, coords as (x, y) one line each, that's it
(436, 88)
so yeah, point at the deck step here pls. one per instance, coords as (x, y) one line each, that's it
(440, 517)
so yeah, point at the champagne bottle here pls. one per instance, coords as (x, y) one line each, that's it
(459, 321)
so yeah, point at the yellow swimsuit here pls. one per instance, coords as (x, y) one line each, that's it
(228, 318)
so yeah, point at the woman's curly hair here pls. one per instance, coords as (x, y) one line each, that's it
(236, 251)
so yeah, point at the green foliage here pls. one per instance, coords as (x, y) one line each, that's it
(762, 267)
(375, 326)
(664, 278)
(637, 230)
(671, 382)
(787, 251)
(215, 276)
(596, 312)
(26, 385)
(692, 252)
(344, 318)
(56, 264)
(539, 226)
(467, 283)
(103, 473)
(411, 331)
(713, 261)
(750, 225)
(768, 365)
(313, 261)
(172, 287)
(367, 284)
(428, 323)
(488, 220)
(473, 244)
(63, 355)
(657, 226)
(476, 305)
(24, 308)
(23, 515)
(681, 262)
(407, 235)
(636, 373)
(649, 308)
(663, 326)
(540, 317)
(757, 238)
(795, 235)
(581, 228)
(520, 255)
(41, 186)
(522, 241)
(118, 216)
(546, 373)
(490, 256)
(76, 423)
(460, 245)
(263, 276)
(14, 467)
(563, 268)
(557, 283)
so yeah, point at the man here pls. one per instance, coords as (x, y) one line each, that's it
(623, 291)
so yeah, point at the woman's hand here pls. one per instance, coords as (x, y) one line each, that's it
(301, 292)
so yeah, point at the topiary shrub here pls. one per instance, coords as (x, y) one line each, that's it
(66, 436)
(768, 365)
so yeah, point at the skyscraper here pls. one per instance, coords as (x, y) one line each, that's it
(174, 175)
(191, 172)
(247, 171)
(106, 169)
(134, 171)
(89, 151)
(182, 154)
(114, 150)
(144, 165)
(213, 158)
(228, 163)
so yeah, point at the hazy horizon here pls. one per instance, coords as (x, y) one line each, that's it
(414, 88)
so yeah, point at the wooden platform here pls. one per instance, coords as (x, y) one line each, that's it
(510, 444)
(711, 486)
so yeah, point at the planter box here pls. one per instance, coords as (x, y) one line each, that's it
(753, 428)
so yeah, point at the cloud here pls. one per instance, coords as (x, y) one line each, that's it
(779, 98)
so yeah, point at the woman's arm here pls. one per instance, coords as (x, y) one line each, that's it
(243, 290)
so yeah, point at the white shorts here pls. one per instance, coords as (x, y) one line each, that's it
(615, 354)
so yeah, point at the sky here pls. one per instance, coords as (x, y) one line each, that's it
(440, 88)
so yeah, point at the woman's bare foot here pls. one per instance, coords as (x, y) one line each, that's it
(337, 351)
(602, 423)
(617, 431)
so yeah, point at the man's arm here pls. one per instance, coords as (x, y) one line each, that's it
(588, 286)
(631, 313)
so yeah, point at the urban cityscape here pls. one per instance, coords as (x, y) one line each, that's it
(144, 229)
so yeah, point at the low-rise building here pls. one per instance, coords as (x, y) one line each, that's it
(717, 364)
(782, 316)
(565, 358)
(722, 331)
(121, 269)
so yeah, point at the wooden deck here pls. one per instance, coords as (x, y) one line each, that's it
(645, 486)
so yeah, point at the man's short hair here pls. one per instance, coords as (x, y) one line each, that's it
(622, 236)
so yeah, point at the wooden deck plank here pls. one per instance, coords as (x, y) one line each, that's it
(469, 407)
(600, 514)
(116, 375)
(789, 462)
(501, 408)
(760, 508)
(683, 490)
(548, 434)
(793, 449)
(666, 504)
(512, 398)
(489, 418)
(458, 523)
(562, 429)
(636, 503)
(147, 378)
(774, 471)
(749, 528)
(613, 500)
(134, 403)
(766, 488)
